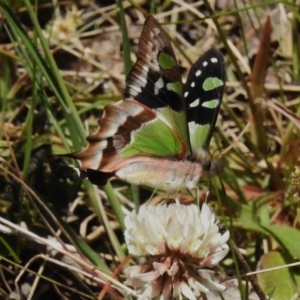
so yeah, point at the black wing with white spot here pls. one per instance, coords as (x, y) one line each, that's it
(156, 71)
(203, 93)
(155, 80)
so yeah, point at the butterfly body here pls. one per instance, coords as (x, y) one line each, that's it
(159, 134)
(165, 174)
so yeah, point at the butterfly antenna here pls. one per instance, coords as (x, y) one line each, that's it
(218, 150)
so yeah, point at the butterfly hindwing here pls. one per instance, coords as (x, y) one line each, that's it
(203, 94)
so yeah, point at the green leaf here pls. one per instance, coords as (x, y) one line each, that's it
(277, 284)
(287, 237)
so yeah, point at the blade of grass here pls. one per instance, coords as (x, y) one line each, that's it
(125, 39)
(49, 70)
(72, 118)
(258, 76)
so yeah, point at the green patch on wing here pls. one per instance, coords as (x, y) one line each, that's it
(166, 61)
(198, 134)
(159, 83)
(154, 138)
(176, 87)
(211, 104)
(177, 120)
(211, 83)
(195, 103)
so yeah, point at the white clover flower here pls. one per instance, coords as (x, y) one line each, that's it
(178, 241)
(64, 27)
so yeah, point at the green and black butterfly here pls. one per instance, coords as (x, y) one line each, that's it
(159, 134)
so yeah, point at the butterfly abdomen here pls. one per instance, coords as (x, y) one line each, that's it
(163, 174)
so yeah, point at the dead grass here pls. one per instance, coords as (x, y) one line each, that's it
(62, 237)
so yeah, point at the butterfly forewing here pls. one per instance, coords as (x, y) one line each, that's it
(155, 80)
(203, 94)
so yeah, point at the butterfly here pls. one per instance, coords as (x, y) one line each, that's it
(158, 135)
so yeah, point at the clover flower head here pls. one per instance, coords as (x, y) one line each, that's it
(178, 241)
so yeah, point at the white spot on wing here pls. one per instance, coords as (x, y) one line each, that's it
(94, 160)
(158, 85)
(205, 63)
(145, 68)
(198, 73)
(193, 84)
(109, 131)
(135, 110)
(135, 90)
(102, 145)
(195, 103)
(214, 60)
(143, 76)
(169, 87)
(186, 94)
(156, 31)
